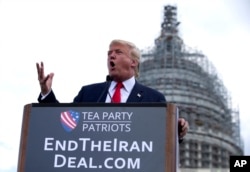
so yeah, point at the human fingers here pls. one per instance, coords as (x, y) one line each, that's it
(49, 77)
(181, 122)
(183, 127)
(40, 71)
(46, 83)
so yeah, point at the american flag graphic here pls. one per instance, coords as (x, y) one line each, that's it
(69, 120)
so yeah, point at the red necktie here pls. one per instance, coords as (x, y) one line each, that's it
(117, 95)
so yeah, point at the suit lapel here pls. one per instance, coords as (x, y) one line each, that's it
(104, 94)
(136, 94)
(103, 98)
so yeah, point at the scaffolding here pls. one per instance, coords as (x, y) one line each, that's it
(187, 78)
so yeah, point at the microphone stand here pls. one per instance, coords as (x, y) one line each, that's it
(108, 82)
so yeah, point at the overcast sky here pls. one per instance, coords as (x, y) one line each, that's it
(71, 37)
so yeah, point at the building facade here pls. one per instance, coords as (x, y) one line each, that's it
(187, 78)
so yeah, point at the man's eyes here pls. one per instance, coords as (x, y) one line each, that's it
(116, 51)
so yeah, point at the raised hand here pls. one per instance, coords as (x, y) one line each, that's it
(45, 82)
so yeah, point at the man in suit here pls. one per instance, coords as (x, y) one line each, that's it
(123, 67)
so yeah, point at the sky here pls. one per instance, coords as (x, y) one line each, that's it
(71, 37)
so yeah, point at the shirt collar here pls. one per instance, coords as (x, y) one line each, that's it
(128, 84)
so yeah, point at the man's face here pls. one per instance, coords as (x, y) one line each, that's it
(120, 64)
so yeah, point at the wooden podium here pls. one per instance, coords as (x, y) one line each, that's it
(99, 137)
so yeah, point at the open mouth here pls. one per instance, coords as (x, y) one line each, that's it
(112, 64)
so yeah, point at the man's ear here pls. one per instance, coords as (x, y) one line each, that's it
(134, 63)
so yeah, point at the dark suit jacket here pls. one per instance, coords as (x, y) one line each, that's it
(98, 92)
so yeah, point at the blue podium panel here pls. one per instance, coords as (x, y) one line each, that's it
(94, 137)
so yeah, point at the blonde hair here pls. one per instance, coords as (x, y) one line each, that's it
(134, 52)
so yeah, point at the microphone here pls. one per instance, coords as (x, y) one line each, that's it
(109, 79)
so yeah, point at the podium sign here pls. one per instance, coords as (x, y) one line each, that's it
(98, 137)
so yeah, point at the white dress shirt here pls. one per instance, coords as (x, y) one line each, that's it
(125, 90)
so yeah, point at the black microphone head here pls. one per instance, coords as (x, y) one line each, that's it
(109, 78)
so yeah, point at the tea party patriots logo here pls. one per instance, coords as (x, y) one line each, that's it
(69, 120)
